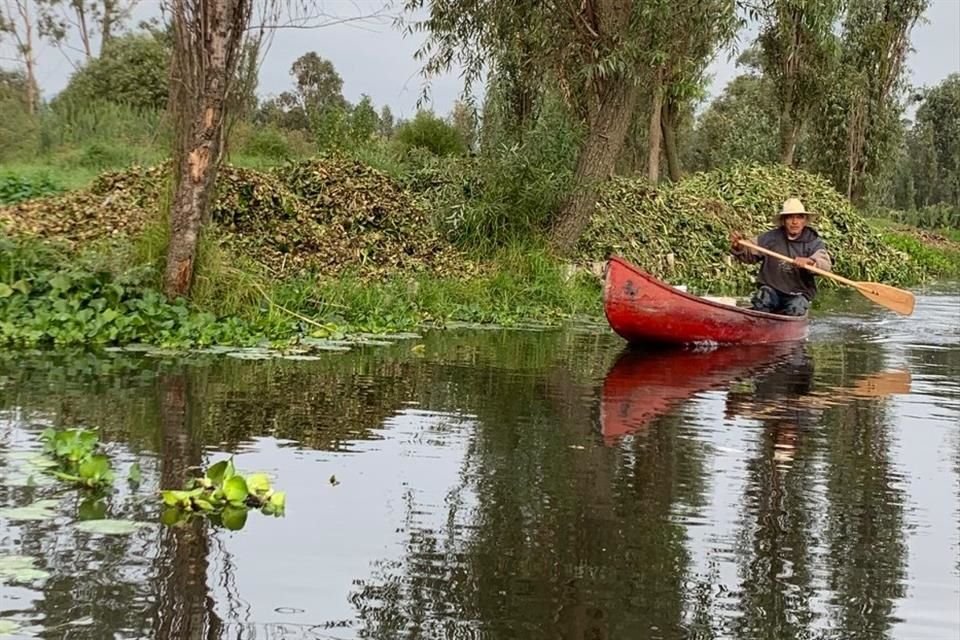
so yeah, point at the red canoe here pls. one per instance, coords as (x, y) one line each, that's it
(642, 309)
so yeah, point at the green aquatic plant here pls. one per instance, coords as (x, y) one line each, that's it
(223, 495)
(77, 458)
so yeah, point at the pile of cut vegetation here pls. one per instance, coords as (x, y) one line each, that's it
(327, 215)
(116, 204)
(680, 232)
(354, 217)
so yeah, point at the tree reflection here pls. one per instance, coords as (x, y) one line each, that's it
(184, 609)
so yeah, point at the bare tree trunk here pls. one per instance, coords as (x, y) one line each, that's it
(84, 30)
(25, 45)
(607, 128)
(789, 133)
(106, 23)
(668, 122)
(653, 138)
(208, 35)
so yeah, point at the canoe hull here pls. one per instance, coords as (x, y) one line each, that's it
(644, 310)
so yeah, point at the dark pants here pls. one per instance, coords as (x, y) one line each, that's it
(772, 301)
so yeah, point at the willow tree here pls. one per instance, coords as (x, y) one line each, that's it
(591, 51)
(684, 38)
(859, 127)
(798, 53)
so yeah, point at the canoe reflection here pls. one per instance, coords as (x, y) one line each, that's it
(643, 385)
(769, 383)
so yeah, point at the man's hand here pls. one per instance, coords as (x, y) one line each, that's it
(804, 262)
(735, 239)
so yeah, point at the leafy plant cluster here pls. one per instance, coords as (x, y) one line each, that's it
(47, 298)
(223, 495)
(17, 188)
(78, 457)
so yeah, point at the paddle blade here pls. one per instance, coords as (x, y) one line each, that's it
(890, 297)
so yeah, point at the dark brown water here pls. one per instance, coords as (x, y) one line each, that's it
(513, 484)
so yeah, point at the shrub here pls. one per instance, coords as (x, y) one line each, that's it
(430, 132)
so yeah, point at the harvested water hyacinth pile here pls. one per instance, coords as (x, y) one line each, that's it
(680, 232)
(327, 215)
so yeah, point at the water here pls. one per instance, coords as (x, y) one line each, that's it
(513, 484)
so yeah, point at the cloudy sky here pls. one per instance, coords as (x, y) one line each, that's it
(377, 59)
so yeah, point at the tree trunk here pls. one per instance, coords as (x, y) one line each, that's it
(607, 128)
(653, 138)
(789, 133)
(106, 24)
(668, 122)
(84, 30)
(26, 50)
(200, 109)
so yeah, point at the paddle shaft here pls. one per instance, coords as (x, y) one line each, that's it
(812, 268)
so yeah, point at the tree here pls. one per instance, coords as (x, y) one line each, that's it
(58, 18)
(741, 124)
(208, 37)
(318, 85)
(859, 125)
(364, 121)
(463, 117)
(938, 124)
(386, 122)
(687, 37)
(17, 24)
(427, 131)
(594, 52)
(798, 52)
(134, 70)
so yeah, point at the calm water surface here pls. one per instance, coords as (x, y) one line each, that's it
(513, 484)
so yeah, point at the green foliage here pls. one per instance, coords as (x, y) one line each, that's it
(509, 192)
(77, 455)
(936, 259)
(47, 297)
(17, 188)
(933, 148)
(740, 125)
(858, 131)
(132, 70)
(224, 496)
(427, 131)
(364, 121)
(799, 52)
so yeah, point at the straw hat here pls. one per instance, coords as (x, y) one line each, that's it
(792, 206)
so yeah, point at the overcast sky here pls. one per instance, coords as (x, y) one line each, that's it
(377, 58)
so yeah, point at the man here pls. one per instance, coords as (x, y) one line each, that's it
(785, 288)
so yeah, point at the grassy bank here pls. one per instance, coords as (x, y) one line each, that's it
(329, 247)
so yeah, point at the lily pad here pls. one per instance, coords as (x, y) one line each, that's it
(299, 356)
(21, 569)
(21, 478)
(110, 527)
(8, 627)
(40, 510)
(248, 355)
(136, 346)
(370, 342)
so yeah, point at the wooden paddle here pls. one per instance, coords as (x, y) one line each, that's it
(890, 297)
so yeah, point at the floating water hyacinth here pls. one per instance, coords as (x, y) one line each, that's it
(224, 496)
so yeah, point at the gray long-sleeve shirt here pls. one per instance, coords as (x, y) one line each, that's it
(782, 276)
